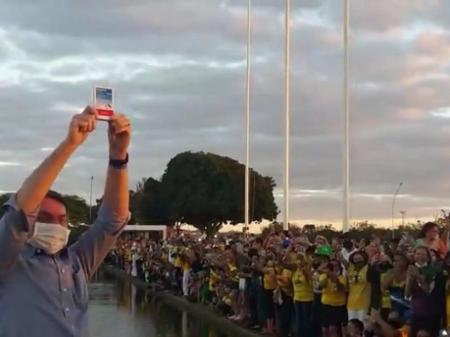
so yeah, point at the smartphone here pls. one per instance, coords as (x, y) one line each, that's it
(103, 102)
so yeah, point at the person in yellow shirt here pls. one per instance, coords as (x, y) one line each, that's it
(177, 263)
(233, 278)
(285, 305)
(359, 286)
(214, 278)
(186, 265)
(268, 306)
(303, 297)
(394, 282)
(334, 298)
(386, 306)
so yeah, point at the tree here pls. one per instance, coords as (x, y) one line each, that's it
(77, 208)
(207, 190)
(133, 197)
(151, 208)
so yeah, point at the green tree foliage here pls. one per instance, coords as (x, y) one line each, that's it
(207, 191)
(151, 207)
(77, 209)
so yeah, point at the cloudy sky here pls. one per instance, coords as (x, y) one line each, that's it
(179, 71)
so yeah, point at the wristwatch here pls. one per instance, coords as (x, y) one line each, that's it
(119, 164)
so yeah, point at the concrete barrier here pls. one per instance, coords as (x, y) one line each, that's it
(194, 309)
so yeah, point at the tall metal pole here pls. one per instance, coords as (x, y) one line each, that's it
(346, 142)
(247, 121)
(287, 61)
(90, 201)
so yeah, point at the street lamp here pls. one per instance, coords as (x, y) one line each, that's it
(403, 213)
(393, 205)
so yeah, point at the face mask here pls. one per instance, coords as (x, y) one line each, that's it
(421, 265)
(49, 237)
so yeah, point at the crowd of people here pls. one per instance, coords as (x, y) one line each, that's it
(293, 283)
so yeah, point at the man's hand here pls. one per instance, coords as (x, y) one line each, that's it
(81, 126)
(36, 186)
(119, 134)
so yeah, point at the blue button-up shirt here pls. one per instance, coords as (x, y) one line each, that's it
(43, 295)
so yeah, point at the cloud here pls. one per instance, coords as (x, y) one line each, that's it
(8, 163)
(178, 68)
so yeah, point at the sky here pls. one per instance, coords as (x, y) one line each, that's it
(178, 68)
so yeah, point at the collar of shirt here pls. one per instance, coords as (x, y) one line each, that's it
(31, 251)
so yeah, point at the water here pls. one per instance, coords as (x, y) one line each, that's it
(118, 308)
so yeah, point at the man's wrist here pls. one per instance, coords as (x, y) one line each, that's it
(118, 164)
(118, 155)
(66, 144)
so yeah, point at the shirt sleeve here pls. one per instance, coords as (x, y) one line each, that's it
(93, 245)
(14, 228)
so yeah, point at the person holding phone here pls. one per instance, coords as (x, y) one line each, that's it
(423, 286)
(334, 297)
(359, 279)
(303, 297)
(43, 281)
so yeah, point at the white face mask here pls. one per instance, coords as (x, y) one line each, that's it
(49, 237)
(421, 265)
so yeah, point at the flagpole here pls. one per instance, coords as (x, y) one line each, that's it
(287, 114)
(247, 121)
(346, 142)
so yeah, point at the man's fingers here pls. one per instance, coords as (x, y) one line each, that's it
(121, 130)
(89, 110)
(119, 124)
(88, 125)
(91, 125)
(83, 125)
(119, 119)
(118, 128)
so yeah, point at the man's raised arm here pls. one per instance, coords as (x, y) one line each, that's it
(94, 245)
(21, 208)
